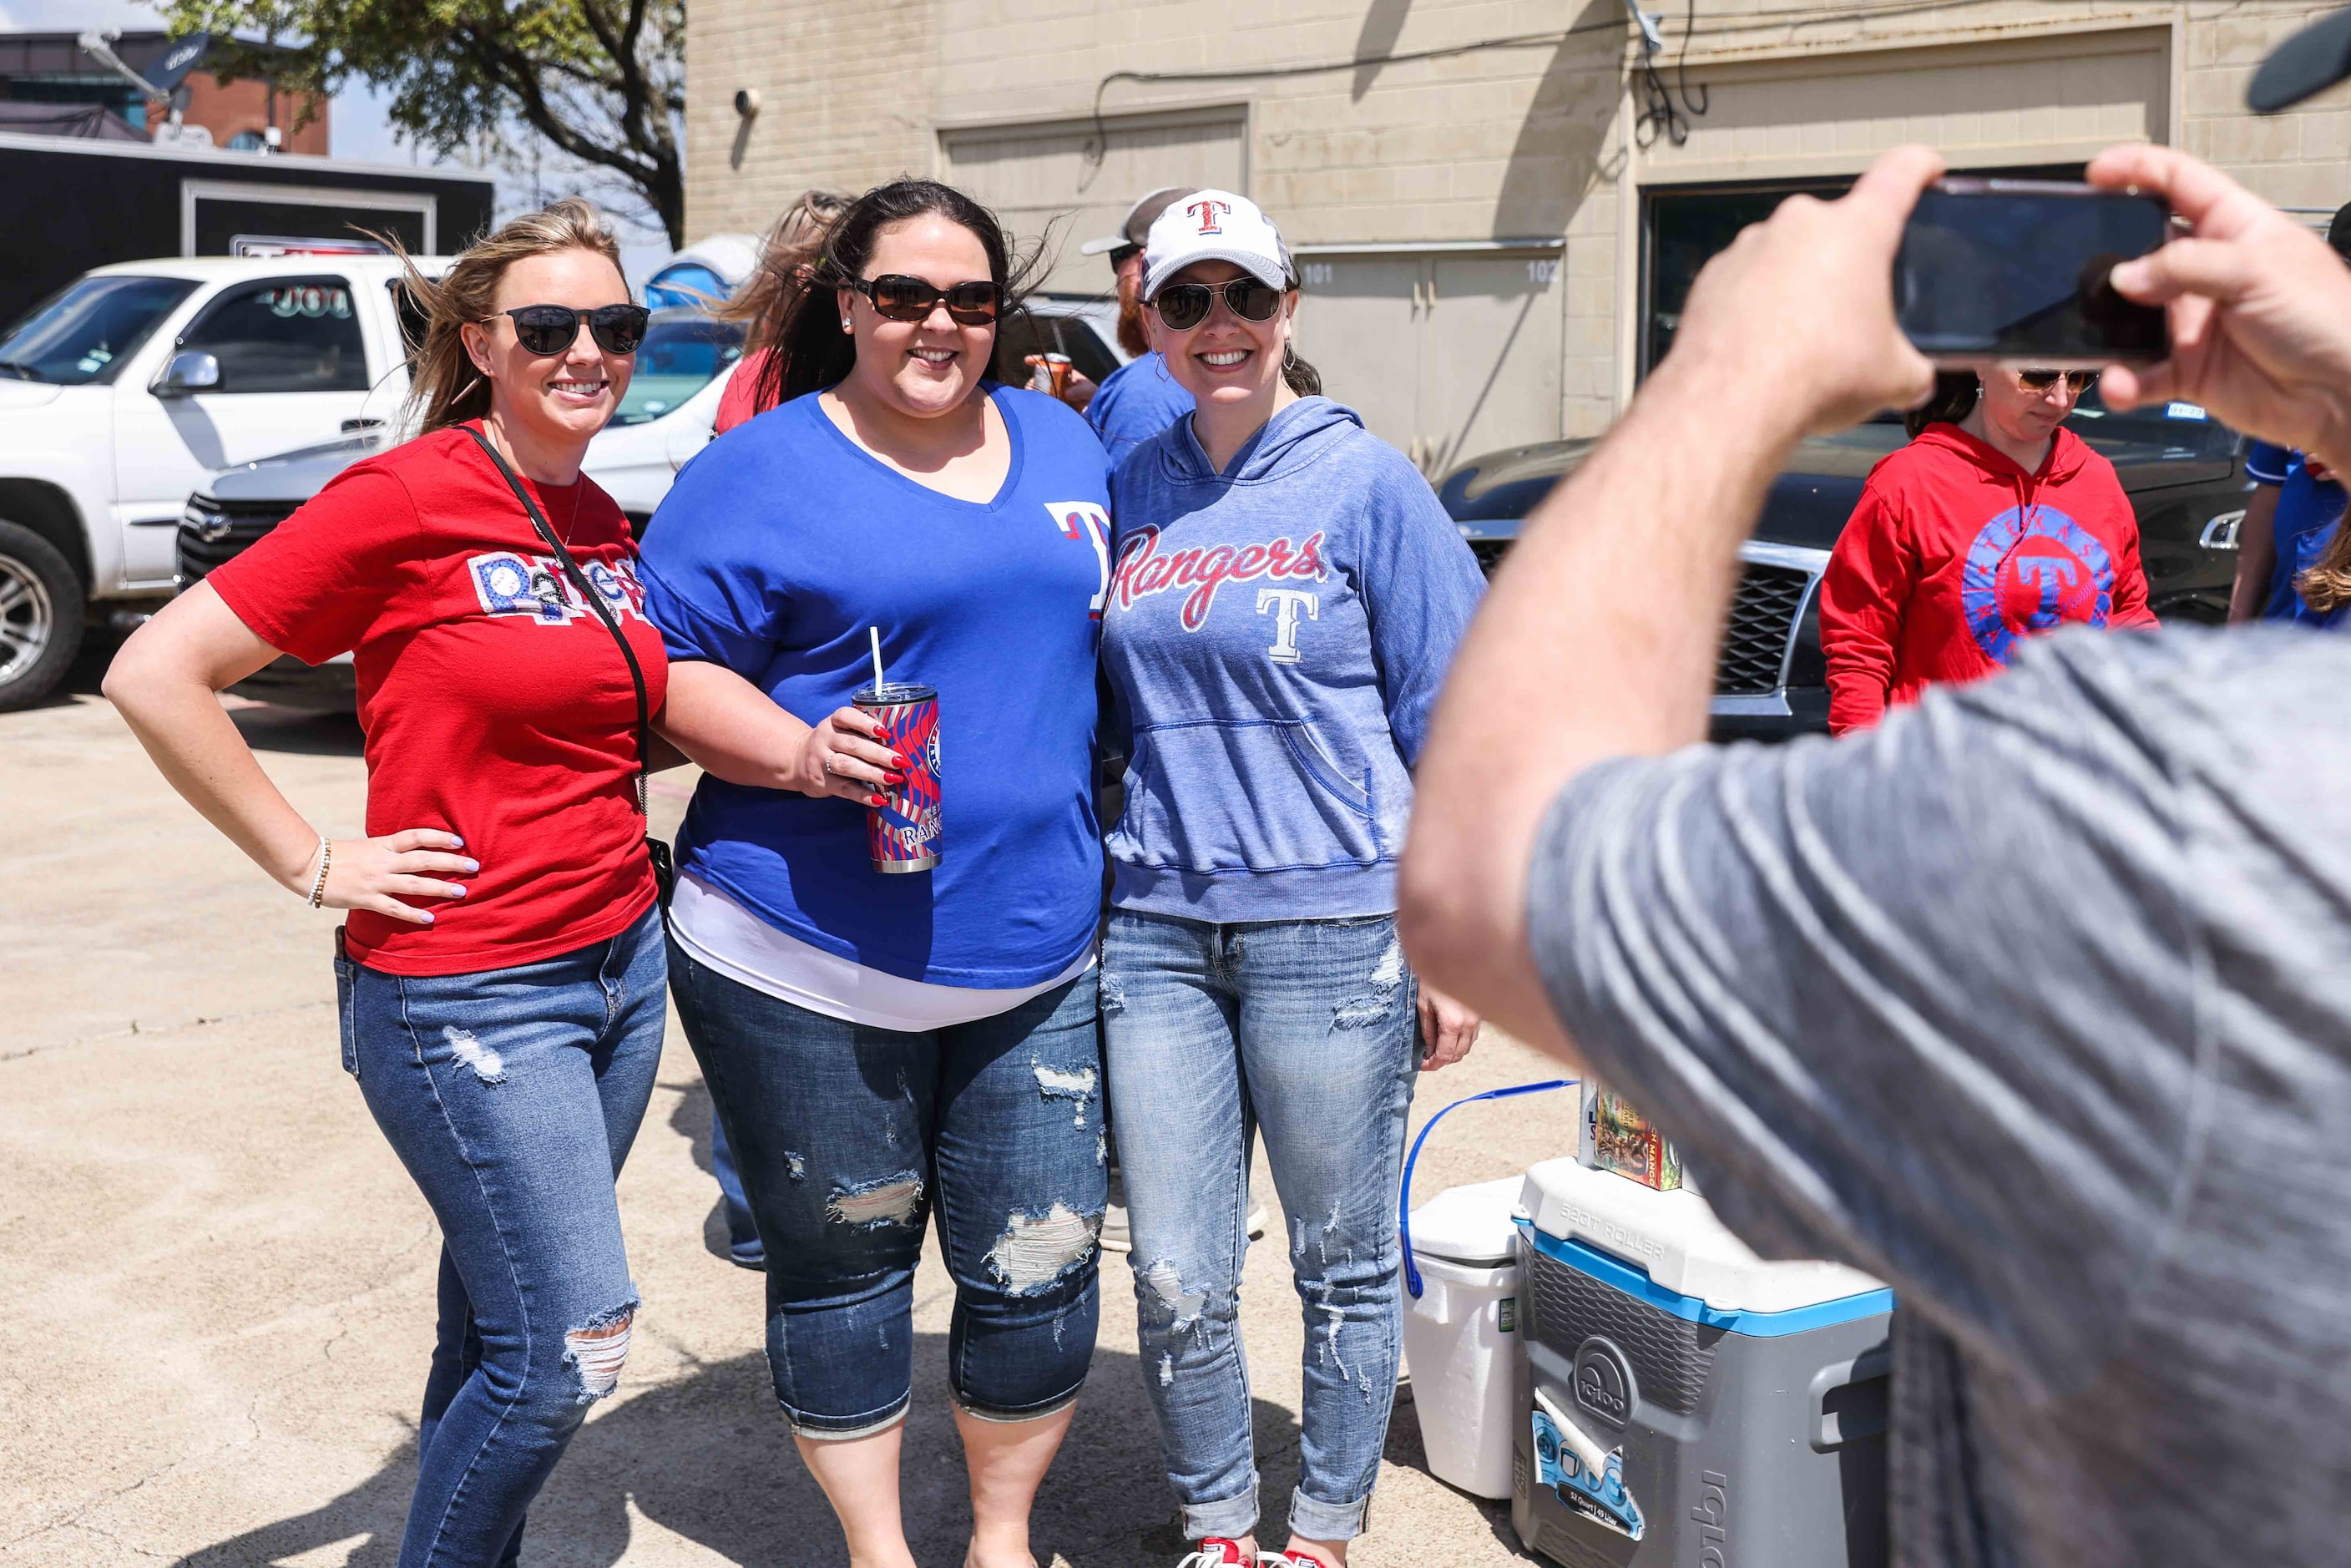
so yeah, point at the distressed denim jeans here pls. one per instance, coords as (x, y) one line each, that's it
(849, 1137)
(512, 1096)
(1307, 1030)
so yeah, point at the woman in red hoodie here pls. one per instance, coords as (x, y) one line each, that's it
(1993, 524)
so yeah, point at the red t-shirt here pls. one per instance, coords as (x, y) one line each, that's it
(740, 401)
(1955, 554)
(494, 703)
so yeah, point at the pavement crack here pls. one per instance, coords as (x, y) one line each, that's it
(142, 1031)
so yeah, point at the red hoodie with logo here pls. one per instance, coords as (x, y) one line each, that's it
(1955, 554)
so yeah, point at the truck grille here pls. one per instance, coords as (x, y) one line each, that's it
(1762, 618)
(212, 532)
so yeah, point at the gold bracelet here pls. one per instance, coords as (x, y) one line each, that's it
(326, 858)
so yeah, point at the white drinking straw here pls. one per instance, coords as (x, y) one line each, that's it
(875, 632)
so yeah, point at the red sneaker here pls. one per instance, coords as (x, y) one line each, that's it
(1216, 1552)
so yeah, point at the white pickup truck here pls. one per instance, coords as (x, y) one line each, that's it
(136, 384)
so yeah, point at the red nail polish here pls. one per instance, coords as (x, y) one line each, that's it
(901, 759)
(873, 799)
(893, 778)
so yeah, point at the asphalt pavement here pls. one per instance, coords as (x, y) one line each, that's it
(220, 1281)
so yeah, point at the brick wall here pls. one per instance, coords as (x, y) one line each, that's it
(225, 108)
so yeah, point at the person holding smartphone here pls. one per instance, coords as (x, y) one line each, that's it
(1287, 597)
(501, 981)
(1994, 524)
(882, 1049)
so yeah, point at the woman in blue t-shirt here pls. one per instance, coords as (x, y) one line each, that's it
(874, 1042)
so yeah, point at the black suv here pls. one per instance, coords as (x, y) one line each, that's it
(2184, 474)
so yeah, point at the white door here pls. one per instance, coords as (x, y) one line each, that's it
(1359, 326)
(1493, 324)
(293, 366)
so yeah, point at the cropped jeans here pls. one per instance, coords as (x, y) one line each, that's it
(848, 1138)
(512, 1096)
(1308, 1030)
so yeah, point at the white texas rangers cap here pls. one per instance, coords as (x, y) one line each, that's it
(1214, 225)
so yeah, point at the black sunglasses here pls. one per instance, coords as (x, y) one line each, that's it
(898, 297)
(549, 329)
(1184, 305)
(2079, 381)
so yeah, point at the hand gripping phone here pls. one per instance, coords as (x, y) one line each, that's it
(2017, 271)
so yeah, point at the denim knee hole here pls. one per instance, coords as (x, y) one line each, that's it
(596, 1350)
(1036, 1249)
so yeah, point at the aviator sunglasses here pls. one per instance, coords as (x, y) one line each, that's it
(549, 329)
(2077, 381)
(1184, 305)
(897, 298)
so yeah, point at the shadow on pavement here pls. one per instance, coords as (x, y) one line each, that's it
(710, 1458)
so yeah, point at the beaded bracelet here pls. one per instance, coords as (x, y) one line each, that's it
(326, 858)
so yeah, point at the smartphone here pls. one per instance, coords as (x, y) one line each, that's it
(2016, 270)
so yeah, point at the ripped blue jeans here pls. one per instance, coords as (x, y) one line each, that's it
(512, 1096)
(849, 1137)
(1307, 1030)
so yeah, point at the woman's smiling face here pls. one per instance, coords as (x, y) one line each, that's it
(927, 368)
(1224, 359)
(563, 398)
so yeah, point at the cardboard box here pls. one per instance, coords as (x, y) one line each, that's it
(1618, 1138)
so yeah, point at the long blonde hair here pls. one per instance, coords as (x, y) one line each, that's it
(442, 379)
(2327, 583)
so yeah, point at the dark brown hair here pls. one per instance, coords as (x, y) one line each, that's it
(1953, 398)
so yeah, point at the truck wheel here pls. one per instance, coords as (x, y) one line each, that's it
(41, 605)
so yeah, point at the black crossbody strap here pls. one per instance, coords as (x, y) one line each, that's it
(587, 591)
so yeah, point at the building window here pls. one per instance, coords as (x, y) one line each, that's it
(249, 142)
(1682, 227)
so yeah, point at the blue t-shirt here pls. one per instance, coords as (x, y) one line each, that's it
(779, 544)
(2308, 509)
(1134, 403)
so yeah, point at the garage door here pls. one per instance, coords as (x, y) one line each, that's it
(1035, 174)
(1447, 352)
(2031, 100)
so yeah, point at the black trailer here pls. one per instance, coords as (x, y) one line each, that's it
(68, 204)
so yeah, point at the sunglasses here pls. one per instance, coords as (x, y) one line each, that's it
(549, 329)
(1184, 305)
(2078, 381)
(897, 298)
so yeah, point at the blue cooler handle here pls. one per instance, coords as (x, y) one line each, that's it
(1404, 1195)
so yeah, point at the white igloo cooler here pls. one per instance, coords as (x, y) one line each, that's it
(1458, 1333)
(1683, 1401)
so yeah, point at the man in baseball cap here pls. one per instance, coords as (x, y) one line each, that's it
(1140, 399)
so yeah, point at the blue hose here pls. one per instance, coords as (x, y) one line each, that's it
(1404, 1196)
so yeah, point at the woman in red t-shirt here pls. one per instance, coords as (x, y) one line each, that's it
(1996, 523)
(501, 981)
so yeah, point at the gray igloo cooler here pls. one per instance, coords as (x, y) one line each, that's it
(1683, 1403)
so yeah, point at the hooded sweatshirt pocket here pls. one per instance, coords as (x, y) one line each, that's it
(1294, 809)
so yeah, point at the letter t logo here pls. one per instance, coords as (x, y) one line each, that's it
(1285, 603)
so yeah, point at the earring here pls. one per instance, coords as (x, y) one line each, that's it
(845, 326)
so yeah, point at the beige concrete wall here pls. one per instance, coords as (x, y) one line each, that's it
(1496, 118)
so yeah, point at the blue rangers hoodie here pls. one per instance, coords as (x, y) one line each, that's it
(1275, 636)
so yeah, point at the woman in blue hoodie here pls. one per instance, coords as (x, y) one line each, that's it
(1287, 597)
